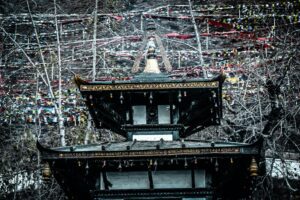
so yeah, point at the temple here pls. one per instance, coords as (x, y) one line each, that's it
(156, 113)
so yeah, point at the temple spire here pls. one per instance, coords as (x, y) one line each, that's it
(149, 41)
(151, 62)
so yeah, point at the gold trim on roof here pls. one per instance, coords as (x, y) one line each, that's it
(147, 153)
(150, 86)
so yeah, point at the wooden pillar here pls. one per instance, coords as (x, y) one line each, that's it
(150, 179)
(193, 176)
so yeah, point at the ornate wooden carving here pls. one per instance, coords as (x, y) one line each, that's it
(149, 86)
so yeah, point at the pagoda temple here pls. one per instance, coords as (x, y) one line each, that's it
(156, 114)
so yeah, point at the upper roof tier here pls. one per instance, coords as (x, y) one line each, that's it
(154, 104)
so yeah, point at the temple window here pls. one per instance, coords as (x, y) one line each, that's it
(164, 114)
(151, 114)
(139, 114)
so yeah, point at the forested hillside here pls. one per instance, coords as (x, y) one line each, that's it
(44, 44)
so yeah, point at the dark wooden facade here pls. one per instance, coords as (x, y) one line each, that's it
(209, 169)
(155, 114)
(193, 104)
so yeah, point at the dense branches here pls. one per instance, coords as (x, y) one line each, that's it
(255, 44)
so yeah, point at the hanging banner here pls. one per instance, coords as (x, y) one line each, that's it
(179, 36)
(219, 24)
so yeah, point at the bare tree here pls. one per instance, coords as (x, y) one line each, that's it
(44, 44)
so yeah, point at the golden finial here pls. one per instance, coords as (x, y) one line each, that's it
(46, 172)
(253, 168)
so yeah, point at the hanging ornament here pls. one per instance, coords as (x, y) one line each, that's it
(127, 164)
(121, 98)
(216, 165)
(104, 164)
(185, 163)
(253, 168)
(87, 168)
(150, 164)
(151, 98)
(179, 96)
(120, 166)
(155, 163)
(46, 172)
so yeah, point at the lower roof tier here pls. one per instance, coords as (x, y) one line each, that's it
(150, 149)
(154, 169)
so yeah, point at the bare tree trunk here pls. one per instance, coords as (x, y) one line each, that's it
(58, 111)
(207, 38)
(61, 119)
(38, 132)
(89, 128)
(198, 39)
(94, 47)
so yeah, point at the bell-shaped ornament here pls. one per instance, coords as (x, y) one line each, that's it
(253, 168)
(46, 172)
(151, 62)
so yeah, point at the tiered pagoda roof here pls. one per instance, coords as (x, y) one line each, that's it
(155, 113)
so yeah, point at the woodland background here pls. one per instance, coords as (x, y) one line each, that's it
(43, 43)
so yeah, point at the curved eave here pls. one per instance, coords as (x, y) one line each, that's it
(133, 84)
(79, 81)
(166, 84)
(43, 149)
(151, 79)
(231, 149)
